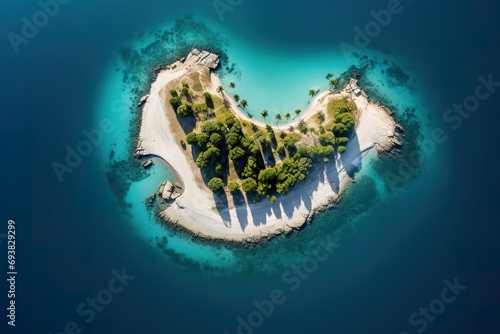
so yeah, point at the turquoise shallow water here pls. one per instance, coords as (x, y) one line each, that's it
(276, 80)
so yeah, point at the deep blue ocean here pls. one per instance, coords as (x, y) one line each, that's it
(396, 249)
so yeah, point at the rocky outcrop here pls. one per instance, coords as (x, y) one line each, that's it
(143, 100)
(148, 163)
(205, 58)
(396, 142)
(169, 191)
(168, 188)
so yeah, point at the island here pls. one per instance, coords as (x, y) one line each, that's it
(242, 180)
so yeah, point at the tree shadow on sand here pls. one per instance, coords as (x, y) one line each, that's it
(301, 194)
(241, 209)
(221, 203)
(352, 159)
(188, 124)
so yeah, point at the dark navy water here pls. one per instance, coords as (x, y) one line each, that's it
(389, 261)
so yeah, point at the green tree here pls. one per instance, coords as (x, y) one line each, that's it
(216, 139)
(249, 184)
(236, 153)
(341, 149)
(232, 85)
(333, 83)
(236, 98)
(289, 141)
(264, 114)
(302, 126)
(327, 139)
(200, 108)
(321, 116)
(346, 118)
(208, 99)
(287, 116)
(250, 168)
(232, 139)
(312, 92)
(202, 161)
(215, 184)
(209, 127)
(202, 139)
(342, 141)
(339, 129)
(175, 102)
(185, 92)
(192, 138)
(244, 103)
(277, 118)
(211, 151)
(267, 175)
(234, 187)
(173, 93)
(303, 151)
(184, 110)
(297, 112)
(220, 89)
(219, 169)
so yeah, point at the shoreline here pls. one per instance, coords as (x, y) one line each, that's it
(197, 210)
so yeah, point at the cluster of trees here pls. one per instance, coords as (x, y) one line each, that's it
(344, 123)
(266, 181)
(318, 152)
(222, 135)
(221, 138)
(279, 178)
(181, 102)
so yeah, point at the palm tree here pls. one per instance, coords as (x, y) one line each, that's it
(278, 118)
(250, 115)
(298, 111)
(232, 85)
(264, 114)
(312, 92)
(321, 116)
(334, 82)
(220, 89)
(244, 103)
(287, 116)
(236, 97)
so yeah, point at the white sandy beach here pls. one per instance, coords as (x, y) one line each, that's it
(196, 210)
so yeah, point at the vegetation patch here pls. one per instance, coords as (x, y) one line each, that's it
(236, 156)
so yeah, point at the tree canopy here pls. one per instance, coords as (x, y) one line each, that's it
(215, 184)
